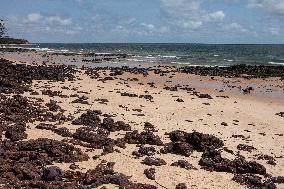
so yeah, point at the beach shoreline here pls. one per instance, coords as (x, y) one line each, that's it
(237, 110)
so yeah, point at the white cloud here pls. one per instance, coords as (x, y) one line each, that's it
(274, 31)
(148, 26)
(235, 27)
(189, 24)
(59, 20)
(218, 15)
(271, 6)
(189, 14)
(34, 17)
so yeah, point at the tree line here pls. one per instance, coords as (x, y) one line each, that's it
(3, 29)
(4, 39)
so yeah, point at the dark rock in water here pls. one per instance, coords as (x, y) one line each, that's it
(183, 164)
(245, 147)
(16, 132)
(212, 160)
(253, 181)
(143, 138)
(90, 119)
(150, 173)
(52, 174)
(181, 186)
(246, 71)
(180, 148)
(153, 161)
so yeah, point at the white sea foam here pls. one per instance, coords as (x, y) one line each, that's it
(169, 56)
(276, 63)
(133, 60)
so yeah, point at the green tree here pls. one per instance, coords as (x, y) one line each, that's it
(3, 29)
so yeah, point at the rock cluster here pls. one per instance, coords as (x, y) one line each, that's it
(17, 78)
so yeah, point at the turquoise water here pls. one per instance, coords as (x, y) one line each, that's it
(187, 54)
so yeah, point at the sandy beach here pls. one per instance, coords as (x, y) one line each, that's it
(241, 116)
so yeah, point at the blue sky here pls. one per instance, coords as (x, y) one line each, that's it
(193, 21)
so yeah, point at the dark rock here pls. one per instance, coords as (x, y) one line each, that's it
(150, 173)
(199, 141)
(153, 161)
(90, 118)
(16, 132)
(245, 147)
(180, 148)
(110, 125)
(51, 174)
(17, 78)
(148, 151)
(278, 180)
(181, 186)
(143, 138)
(202, 142)
(179, 100)
(253, 181)
(213, 161)
(73, 166)
(53, 106)
(204, 96)
(149, 127)
(281, 114)
(183, 164)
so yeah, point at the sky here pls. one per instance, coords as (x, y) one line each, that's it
(145, 21)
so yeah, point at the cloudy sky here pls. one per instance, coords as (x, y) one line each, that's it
(195, 21)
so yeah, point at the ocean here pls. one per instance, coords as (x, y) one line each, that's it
(182, 54)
